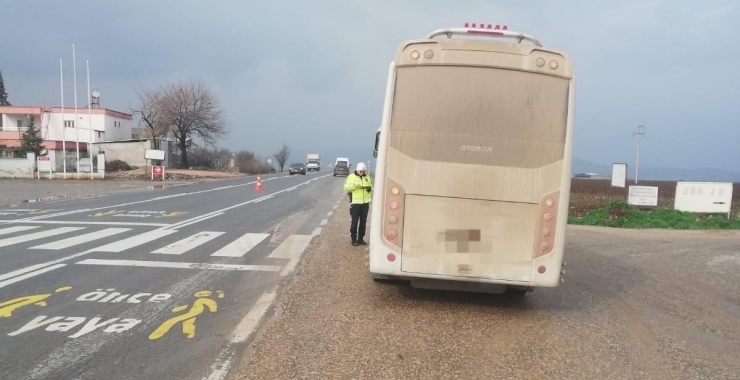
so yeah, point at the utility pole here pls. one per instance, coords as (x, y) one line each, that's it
(640, 133)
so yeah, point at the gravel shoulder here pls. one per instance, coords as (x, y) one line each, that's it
(635, 305)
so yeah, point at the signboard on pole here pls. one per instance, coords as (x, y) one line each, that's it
(643, 196)
(44, 165)
(152, 154)
(157, 171)
(619, 175)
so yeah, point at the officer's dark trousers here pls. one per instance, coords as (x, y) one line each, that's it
(359, 218)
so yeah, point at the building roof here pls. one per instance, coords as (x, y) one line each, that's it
(38, 110)
(94, 111)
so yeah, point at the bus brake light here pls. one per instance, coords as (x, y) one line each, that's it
(393, 215)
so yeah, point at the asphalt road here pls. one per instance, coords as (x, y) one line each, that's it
(160, 284)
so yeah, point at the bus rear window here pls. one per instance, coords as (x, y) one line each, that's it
(518, 118)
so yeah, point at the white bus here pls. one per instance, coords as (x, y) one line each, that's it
(472, 182)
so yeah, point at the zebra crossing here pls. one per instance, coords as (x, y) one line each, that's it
(79, 237)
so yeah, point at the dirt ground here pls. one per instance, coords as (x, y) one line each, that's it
(590, 194)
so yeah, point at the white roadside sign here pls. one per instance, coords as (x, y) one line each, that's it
(619, 175)
(703, 197)
(643, 196)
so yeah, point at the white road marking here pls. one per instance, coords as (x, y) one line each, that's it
(291, 248)
(80, 254)
(241, 246)
(248, 325)
(188, 243)
(37, 235)
(198, 220)
(133, 241)
(10, 230)
(95, 223)
(267, 197)
(81, 239)
(316, 231)
(122, 204)
(179, 265)
(335, 206)
(330, 213)
(21, 271)
(29, 275)
(323, 222)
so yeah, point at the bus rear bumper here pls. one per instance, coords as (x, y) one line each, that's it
(460, 283)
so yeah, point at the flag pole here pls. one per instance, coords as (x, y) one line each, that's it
(89, 120)
(77, 127)
(64, 126)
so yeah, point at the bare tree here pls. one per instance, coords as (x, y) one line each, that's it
(248, 162)
(152, 115)
(193, 111)
(282, 156)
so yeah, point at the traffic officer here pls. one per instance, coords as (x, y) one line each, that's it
(359, 186)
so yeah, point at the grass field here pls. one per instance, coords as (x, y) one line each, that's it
(596, 202)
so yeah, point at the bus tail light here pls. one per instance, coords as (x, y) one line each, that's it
(393, 213)
(546, 224)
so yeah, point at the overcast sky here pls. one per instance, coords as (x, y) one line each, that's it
(312, 74)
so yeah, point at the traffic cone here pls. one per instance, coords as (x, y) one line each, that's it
(259, 183)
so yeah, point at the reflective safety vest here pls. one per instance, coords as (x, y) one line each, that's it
(359, 188)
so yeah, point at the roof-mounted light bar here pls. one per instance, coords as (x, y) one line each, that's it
(484, 30)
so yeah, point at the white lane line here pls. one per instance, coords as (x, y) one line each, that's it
(42, 265)
(241, 246)
(221, 366)
(184, 245)
(197, 220)
(81, 239)
(330, 213)
(316, 231)
(323, 222)
(10, 230)
(335, 206)
(267, 197)
(21, 271)
(133, 241)
(248, 325)
(179, 265)
(29, 275)
(37, 235)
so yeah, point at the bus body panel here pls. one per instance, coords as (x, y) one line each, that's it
(468, 237)
(465, 214)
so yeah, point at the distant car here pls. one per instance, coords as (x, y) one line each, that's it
(341, 168)
(297, 168)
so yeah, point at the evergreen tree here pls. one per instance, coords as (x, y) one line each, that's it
(3, 94)
(32, 142)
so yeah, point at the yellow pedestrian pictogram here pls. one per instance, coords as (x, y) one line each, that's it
(8, 307)
(188, 319)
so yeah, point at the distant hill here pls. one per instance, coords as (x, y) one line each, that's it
(661, 174)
